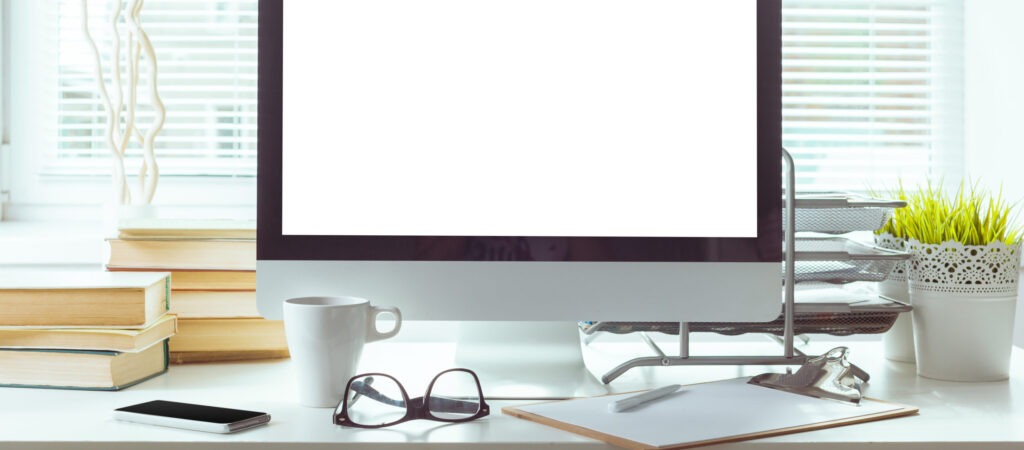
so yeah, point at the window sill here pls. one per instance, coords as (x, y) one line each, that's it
(74, 235)
(51, 243)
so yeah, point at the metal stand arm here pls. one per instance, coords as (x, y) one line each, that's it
(790, 355)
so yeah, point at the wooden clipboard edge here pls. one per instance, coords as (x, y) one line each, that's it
(617, 441)
(586, 432)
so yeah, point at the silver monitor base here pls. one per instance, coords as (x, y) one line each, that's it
(526, 360)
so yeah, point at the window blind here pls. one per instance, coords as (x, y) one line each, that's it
(872, 91)
(206, 55)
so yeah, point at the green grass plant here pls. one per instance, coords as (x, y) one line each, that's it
(970, 216)
(895, 225)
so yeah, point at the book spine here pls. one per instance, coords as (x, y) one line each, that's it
(167, 292)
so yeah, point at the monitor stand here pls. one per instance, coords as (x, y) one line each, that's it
(526, 360)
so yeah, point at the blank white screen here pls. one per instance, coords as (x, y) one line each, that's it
(520, 118)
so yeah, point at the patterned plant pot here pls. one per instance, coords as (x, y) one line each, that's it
(964, 298)
(899, 340)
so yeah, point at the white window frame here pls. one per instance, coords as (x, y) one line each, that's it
(35, 197)
(5, 159)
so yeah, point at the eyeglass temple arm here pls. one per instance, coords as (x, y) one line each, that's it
(442, 404)
(368, 391)
(358, 395)
(439, 404)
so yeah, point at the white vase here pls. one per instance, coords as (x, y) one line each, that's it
(114, 215)
(899, 340)
(964, 301)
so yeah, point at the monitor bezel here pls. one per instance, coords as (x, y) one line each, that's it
(272, 244)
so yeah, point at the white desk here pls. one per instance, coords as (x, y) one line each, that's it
(953, 415)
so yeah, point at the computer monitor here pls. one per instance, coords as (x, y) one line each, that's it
(522, 160)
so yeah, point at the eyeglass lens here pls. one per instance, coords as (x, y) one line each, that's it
(375, 401)
(455, 395)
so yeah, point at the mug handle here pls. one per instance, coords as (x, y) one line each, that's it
(372, 334)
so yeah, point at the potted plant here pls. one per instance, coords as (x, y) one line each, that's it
(962, 280)
(899, 340)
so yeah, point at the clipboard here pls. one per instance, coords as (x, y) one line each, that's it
(704, 414)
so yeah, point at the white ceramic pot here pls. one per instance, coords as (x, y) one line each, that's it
(899, 340)
(964, 300)
(963, 337)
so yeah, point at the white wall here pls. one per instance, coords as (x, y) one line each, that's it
(994, 93)
(994, 100)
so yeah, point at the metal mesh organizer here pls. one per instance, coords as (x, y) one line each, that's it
(841, 212)
(842, 260)
(833, 260)
(874, 320)
(873, 315)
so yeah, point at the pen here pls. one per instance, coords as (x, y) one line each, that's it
(633, 401)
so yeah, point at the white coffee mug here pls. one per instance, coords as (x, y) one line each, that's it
(325, 338)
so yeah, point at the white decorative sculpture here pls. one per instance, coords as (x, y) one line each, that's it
(121, 128)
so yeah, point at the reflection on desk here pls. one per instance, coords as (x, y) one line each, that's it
(953, 415)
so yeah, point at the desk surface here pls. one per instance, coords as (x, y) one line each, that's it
(953, 415)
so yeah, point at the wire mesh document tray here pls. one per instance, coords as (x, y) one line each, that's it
(833, 260)
(841, 212)
(860, 311)
(842, 260)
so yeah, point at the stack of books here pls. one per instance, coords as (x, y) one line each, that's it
(213, 285)
(83, 329)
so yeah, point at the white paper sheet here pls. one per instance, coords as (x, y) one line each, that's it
(704, 412)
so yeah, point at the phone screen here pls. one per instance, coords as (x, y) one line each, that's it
(189, 411)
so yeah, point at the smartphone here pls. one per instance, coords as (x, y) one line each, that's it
(190, 416)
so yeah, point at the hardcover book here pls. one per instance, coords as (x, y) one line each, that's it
(215, 305)
(109, 339)
(81, 369)
(182, 254)
(48, 298)
(186, 228)
(213, 280)
(228, 335)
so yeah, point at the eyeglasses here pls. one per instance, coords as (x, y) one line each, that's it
(376, 400)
